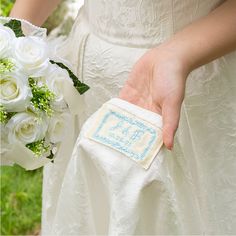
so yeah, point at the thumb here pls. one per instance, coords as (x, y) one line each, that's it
(170, 113)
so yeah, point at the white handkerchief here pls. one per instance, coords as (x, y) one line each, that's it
(129, 129)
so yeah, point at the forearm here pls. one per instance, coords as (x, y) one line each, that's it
(35, 11)
(208, 38)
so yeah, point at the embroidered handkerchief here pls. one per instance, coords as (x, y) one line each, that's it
(118, 126)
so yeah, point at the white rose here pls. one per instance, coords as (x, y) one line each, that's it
(31, 52)
(26, 128)
(15, 93)
(56, 81)
(6, 38)
(57, 127)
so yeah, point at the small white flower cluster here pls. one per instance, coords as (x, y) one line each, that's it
(33, 108)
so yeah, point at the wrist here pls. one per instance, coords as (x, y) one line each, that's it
(181, 55)
(171, 57)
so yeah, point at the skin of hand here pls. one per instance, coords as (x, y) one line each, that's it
(35, 11)
(157, 81)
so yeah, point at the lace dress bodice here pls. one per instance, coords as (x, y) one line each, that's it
(143, 23)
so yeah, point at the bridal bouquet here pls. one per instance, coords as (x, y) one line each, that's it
(37, 98)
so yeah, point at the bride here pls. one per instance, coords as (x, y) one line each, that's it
(174, 58)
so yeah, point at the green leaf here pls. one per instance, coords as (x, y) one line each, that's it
(15, 25)
(81, 87)
(51, 156)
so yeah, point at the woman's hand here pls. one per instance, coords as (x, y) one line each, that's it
(157, 80)
(157, 83)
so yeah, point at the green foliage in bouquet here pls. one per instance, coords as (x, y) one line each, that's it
(81, 87)
(6, 65)
(4, 115)
(15, 25)
(39, 147)
(42, 97)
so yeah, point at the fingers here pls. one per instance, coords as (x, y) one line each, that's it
(170, 113)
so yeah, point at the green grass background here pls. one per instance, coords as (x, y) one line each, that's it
(20, 200)
(5, 7)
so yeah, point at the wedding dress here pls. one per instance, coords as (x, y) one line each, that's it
(190, 190)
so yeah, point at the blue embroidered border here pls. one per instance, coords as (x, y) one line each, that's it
(142, 128)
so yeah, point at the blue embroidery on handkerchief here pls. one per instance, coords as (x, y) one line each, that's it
(124, 134)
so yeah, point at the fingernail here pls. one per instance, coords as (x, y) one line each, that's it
(171, 147)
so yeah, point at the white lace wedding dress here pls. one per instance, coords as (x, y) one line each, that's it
(193, 190)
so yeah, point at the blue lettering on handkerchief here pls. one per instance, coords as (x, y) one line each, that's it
(129, 135)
